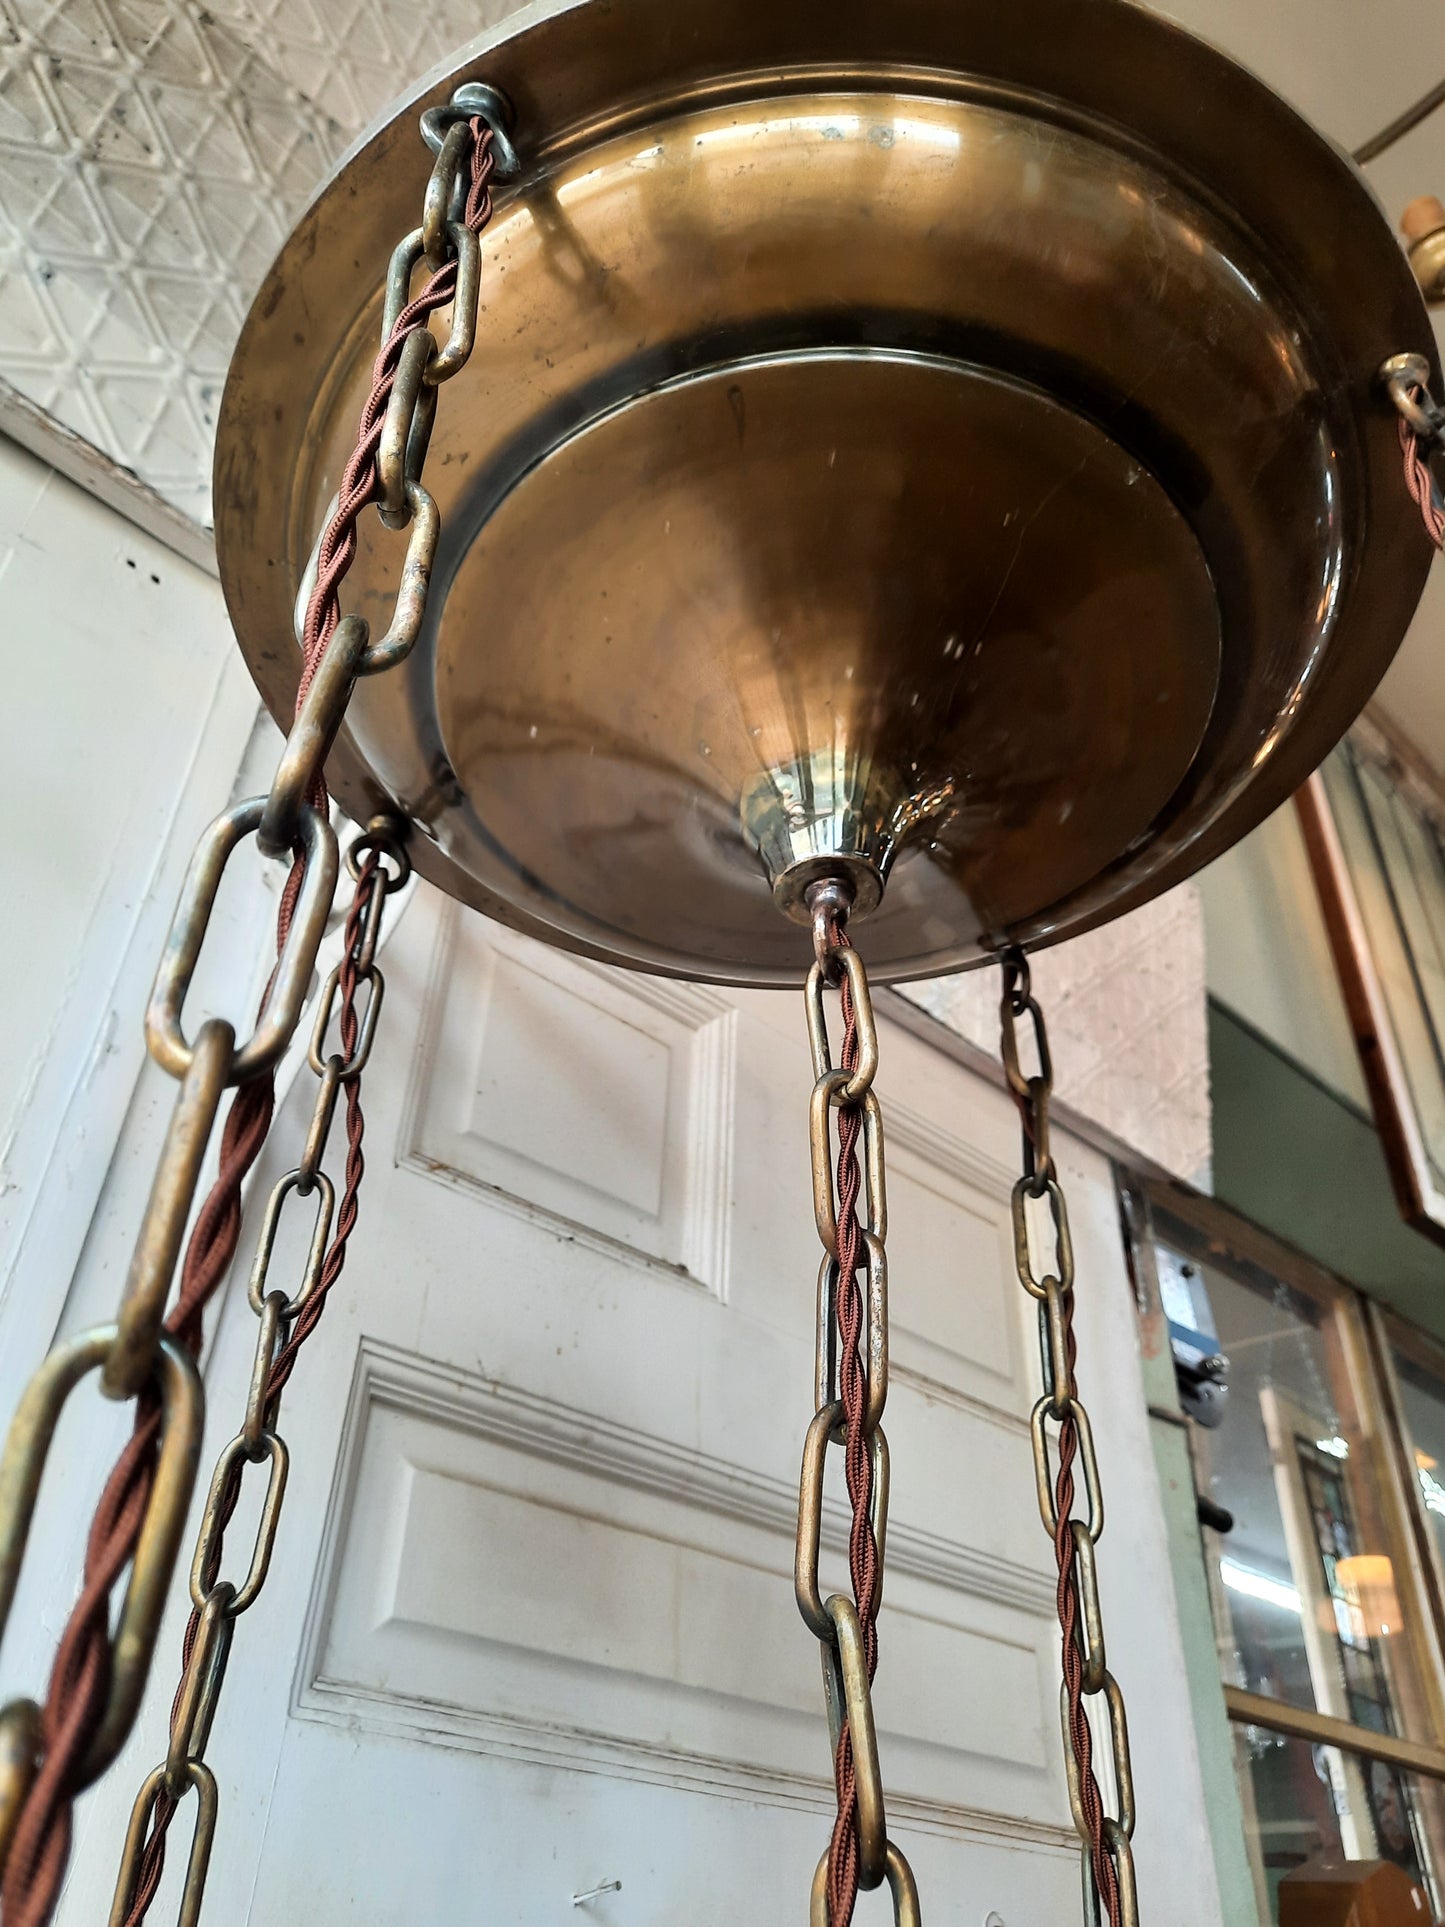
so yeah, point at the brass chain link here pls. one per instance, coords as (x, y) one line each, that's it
(1107, 1857)
(1422, 437)
(850, 1391)
(148, 1354)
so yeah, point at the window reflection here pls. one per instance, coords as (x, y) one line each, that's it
(1422, 1403)
(1305, 1586)
(1396, 865)
(1296, 1801)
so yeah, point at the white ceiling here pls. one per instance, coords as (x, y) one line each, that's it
(153, 156)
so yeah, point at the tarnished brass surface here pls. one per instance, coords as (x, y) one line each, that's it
(926, 432)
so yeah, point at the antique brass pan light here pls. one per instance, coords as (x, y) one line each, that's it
(915, 471)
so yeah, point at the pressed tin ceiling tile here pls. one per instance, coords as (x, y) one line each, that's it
(153, 155)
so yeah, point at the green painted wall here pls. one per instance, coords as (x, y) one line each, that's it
(1295, 1147)
(1294, 1156)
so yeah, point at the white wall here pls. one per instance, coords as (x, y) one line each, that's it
(126, 710)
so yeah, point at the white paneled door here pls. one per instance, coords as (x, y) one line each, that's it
(530, 1633)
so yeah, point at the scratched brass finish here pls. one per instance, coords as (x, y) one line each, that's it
(649, 663)
(924, 433)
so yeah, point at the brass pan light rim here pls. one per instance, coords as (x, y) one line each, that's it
(895, 83)
(542, 148)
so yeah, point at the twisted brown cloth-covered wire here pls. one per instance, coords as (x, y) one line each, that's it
(35, 1868)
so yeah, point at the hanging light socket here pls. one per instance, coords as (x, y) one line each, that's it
(824, 816)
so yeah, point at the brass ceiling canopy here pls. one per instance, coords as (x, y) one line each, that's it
(940, 441)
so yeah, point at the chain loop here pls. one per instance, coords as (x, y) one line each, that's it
(855, 1087)
(143, 1303)
(850, 1706)
(1119, 1747)
(352, 1062)
(1062, 1273)
(409, 608)
(1108, 1864)
(825, 1210)
(149, 1802)
(266, 1242)
(286, 992)
(1070, 1413)
(200, 1686)
(1030, 1093)
(298, 774)
(828, 1427)
(220, 1500)
(1120, 1855)
(901, 1886)
(182, 1409)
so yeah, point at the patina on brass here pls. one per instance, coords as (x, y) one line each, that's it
(920, 443)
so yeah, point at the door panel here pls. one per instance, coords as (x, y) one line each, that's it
(572, 1093)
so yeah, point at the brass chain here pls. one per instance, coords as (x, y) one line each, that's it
(410, 367)
(1108, 1858)
(285, 1321)
(850, 1390)
(147, 1356)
